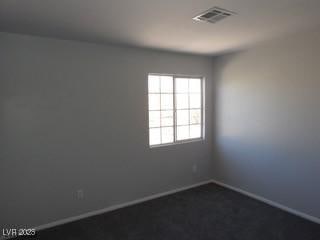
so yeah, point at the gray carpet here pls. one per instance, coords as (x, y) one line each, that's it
(209, 212)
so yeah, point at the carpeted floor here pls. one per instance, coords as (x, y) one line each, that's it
(209, 212)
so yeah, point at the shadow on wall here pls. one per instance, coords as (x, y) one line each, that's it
(266, 134)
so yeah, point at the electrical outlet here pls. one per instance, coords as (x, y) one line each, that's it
(80, 194)
(194, 168)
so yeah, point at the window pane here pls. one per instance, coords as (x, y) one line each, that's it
(174, 114)
(154, 101)
(182, 85)
(166, 84)
(154, 84)
(195, 100)
(166, 118)
(154, 118)
(167, 134)
(195, 116)
(182, 132)
(182, 117)
(154, 136)
(166, 101)
(195, 131)
(182, 101)
(195, 85)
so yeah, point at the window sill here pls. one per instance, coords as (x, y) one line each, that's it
(178, 142)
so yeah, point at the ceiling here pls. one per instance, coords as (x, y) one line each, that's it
(159, 24)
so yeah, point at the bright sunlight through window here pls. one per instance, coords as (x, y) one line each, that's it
(175, 109)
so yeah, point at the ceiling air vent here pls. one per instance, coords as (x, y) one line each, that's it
(214, 15)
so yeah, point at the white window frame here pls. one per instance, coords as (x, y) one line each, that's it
(202, 110)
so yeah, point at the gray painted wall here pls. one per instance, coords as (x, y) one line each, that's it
(268, 121)
(74, 116)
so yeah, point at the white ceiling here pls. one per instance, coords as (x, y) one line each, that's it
(160, 24)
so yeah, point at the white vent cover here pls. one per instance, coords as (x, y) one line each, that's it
(214, 15)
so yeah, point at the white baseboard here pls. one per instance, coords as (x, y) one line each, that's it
(111, 208)
(154, 196)
(117, 206)
(269, 202)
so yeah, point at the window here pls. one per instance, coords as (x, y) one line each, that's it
(175, 109)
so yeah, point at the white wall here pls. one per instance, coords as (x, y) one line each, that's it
(74, 116)
(268, 120)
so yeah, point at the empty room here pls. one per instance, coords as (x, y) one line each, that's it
(160, 119)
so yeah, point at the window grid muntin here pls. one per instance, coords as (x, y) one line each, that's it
(175, 125)
(161, 109)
